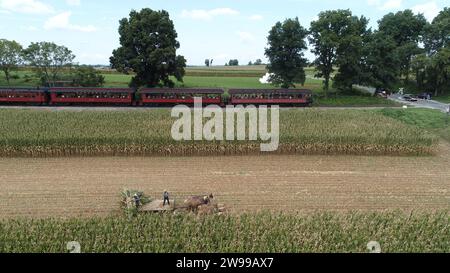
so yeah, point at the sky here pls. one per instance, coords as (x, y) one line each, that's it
(207, 29)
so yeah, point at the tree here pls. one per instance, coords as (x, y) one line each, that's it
(49, 59)
(10, 57)
(349, 54)
(286, 53)
(258, 62)
(87, 76)
(337, 37)
(148, 48)
(437, 34)
(233, 62)
(439, 72)
(406, 29)
(207, 63)
(380, 61)
(419, 65)
(433, 72)
(250, 63)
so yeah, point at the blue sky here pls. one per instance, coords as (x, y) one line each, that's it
(215, 29)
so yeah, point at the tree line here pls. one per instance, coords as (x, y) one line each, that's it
(50, 62)
(405, 49)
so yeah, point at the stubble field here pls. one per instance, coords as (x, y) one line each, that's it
(72, 187)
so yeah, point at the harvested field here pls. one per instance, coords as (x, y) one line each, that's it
(70, 187)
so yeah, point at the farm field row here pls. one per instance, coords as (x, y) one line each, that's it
(308, 131)
(255, 233)
(85, 187)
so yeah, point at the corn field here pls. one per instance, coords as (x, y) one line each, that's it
(254, 233)
(33, 133)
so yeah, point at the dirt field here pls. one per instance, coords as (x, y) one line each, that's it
(68, 187)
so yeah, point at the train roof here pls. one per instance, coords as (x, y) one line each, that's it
(269, 91)
(180, 91)
(19, 89)
(89, 89)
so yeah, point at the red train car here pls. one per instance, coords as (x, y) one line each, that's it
(163, 96)
(22, 95)
(281, 97)
(87, 95)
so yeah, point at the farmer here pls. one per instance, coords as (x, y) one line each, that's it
(166, 198)
(137, 200)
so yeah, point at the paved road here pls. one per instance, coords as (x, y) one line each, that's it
(431, 104)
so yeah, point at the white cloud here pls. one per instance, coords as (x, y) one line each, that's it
(245, 37)
(201, 14)
(385, 5)
(430, 10)
(62, 22)
(73, 2)
(26, 6)
(256, 17)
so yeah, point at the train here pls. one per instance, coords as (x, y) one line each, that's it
(156, 97)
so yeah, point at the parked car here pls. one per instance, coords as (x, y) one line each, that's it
(409, 97)
(424, 96)
(382, 92)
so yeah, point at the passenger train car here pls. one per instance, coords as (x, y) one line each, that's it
(156, 97)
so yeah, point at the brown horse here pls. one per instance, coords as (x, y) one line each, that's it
(194, 202)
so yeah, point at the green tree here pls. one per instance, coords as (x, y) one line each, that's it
(258, 62)
(10, 57)
(207, 62)
(432, 69)
(349, 53)
(87, 76)
(336, 33)
(420, 65)
(233, 62)
(148, 48)
(439, 72)
(406, 29)
(437, 34)
(380, 61)
(49, 60)
(286, 53)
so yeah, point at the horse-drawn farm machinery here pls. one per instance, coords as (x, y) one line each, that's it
(137, 202)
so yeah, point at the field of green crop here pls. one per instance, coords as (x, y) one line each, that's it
(424, 119)
(211, 78)
(147, 132)
(252, 233)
